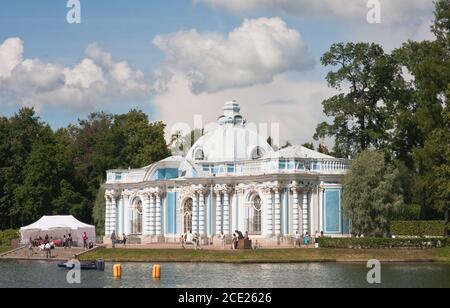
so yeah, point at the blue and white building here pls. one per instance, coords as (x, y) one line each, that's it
(231, 179)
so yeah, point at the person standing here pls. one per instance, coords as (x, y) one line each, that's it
(234, 242)
(124, 240)
(113, 239)
(222, 240)
(48, 251)
(297, 243)
(70, 240)
(306, 239)
(85, 240)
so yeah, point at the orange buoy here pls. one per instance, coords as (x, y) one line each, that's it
(117, 271)
(156, 272)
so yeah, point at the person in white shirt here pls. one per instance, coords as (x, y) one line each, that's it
(222, 240)
(297, 239)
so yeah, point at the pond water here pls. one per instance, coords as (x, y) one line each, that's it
(15, 274)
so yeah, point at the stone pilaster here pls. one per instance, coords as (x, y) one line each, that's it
(305, 211)
(295, 208)
(268, 223)
(152, 223)
(158, 215)
(113, 213)
(195, 214)
(107, 214)
(226, 211)
(202, 213)
(277, 212)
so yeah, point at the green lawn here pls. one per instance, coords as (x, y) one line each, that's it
(4, 249)
(267, 256)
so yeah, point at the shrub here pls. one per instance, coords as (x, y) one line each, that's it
(382, 243)
(7, 236)
(407, 212)
(417, 228)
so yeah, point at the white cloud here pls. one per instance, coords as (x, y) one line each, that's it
(252, 54)
(95, 81)
(393, 11)
(10, 56)
(296, 106)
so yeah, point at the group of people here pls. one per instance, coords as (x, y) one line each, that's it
(306, 239)
(188, 238)
(115, 240)
(47, 244)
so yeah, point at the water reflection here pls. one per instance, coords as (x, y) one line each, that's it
(197, 275)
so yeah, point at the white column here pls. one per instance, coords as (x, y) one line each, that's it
(268, 213)
(113, 213)
(127, 215)
(226, 213)
(120, 215)
(152, 223)
(107, 213)
(146, 215)
(277, 212)
(218, 213)
(295, 212)
(158, 216)
(201, 214)
(320, 201)
(305, 212)
(195, 229)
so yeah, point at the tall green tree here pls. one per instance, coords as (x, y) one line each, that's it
(365, 77)
(420, 115)
(371, 194)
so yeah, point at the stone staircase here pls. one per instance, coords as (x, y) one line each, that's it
(134, 240)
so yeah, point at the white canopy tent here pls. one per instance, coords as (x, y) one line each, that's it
(56, 227)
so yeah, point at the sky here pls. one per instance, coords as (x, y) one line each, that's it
(175, 59)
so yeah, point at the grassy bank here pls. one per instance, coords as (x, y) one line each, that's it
(4, 249)
(268, 256)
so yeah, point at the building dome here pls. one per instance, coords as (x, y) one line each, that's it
(231, 141)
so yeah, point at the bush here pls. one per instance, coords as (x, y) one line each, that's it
(382, 243)
(407, 212)
(7, 236)
(417, 228)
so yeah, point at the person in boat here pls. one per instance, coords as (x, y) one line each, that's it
(74, 261)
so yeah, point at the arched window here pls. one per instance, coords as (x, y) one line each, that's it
(187, 216)
(258, 153)
(254, 222)
(199, 154)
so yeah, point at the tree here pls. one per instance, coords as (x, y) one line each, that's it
(361, 113)
(434, 184)
(33, 198)
(371, 194)
(419, 136)
(309, 145)
(98, 212)
(181, 144)
(286, 145)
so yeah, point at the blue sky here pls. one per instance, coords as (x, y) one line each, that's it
(126, 31)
